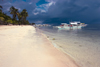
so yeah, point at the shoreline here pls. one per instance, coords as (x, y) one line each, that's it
(58, 47)
(23, 46)
(82, 50)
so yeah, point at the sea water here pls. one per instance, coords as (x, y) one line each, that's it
(83, 45)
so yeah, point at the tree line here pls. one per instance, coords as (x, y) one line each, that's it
(18, 18)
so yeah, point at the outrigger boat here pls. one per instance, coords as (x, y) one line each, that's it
(72, 25)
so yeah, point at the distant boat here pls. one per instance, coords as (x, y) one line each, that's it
(72, 25)
(42, 25)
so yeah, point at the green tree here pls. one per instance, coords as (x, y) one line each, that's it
(1, 18)
(15, 22)
(9, 21)
(1, 8)
(14, 12)
(19, 18)
(24, 15)
(6, 17)
(26, 22)
(33, 23)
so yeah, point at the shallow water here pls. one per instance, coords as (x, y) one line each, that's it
(83, 45)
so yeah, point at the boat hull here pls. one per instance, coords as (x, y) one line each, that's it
(66, 27)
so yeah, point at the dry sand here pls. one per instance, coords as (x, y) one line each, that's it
(23, 46)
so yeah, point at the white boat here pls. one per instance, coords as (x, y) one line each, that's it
(72, 25)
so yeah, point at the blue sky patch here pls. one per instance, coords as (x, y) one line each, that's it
(41, 2)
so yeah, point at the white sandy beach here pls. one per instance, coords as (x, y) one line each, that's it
(23, 46)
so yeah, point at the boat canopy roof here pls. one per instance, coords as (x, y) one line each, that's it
(75, 22)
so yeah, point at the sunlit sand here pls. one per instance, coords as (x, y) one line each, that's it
(23, 46)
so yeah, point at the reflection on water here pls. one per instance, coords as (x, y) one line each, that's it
(66, 29)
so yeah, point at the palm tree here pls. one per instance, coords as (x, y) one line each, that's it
(1, 8)
(19, 17)
(24, 15)
(14, 12)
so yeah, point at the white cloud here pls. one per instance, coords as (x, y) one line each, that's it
(18, 8)
(30, 3)
(8, 8)
(43, 7)
(15, 7)
(43, 11)
(36, 13)
(51, 0)
(51, 3)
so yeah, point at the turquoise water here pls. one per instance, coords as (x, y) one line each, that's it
(83, 45)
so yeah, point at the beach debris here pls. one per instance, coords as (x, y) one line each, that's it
(53, 39)
(60, 46)
(47, 36)
(80, 45)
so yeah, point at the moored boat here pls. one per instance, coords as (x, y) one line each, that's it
(72, 25)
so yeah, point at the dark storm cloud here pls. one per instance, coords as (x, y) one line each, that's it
(83, 10)
(87, 11)
(72, 10)
(39, 17)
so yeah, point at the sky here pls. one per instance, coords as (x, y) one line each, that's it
(56, 11)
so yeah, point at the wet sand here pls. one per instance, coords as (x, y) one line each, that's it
(23, 46)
